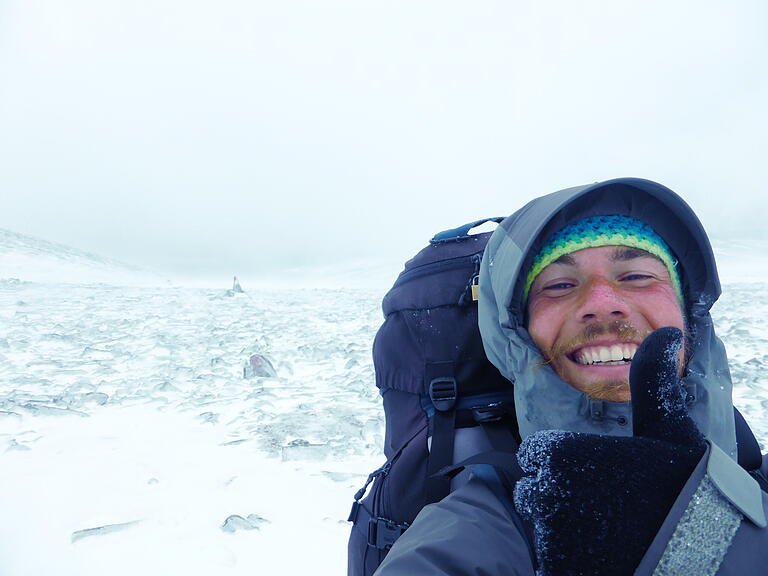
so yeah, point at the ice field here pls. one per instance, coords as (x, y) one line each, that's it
(131, 442)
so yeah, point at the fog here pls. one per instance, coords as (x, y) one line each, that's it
(241, 136)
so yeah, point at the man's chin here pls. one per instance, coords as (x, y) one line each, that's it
(601, 383)
(612, 390)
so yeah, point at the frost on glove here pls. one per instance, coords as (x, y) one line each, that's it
(596, 502)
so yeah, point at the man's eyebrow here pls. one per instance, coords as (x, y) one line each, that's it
(622, 254)
(566, 259)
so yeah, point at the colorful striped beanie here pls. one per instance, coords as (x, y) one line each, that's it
(605, 231)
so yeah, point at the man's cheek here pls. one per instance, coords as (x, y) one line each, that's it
(540, 328)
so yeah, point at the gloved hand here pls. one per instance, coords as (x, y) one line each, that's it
(596, 502)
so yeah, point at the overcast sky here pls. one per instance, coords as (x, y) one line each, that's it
(206, 137)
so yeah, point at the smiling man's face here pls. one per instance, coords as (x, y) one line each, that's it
(589, 310)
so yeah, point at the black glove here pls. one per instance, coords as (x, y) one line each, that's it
(596, 502)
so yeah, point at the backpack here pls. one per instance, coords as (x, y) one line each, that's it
(444, 402)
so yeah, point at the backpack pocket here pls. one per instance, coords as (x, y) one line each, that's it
(382, 515)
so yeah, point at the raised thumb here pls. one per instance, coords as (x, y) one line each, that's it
(658, 400)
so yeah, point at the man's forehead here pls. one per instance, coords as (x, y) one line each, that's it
(616, 254)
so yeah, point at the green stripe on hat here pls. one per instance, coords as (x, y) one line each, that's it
(605, 231)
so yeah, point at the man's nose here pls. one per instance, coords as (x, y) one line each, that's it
(601, 300)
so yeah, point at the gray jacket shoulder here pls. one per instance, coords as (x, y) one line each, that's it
(469, 533)
(717, 525)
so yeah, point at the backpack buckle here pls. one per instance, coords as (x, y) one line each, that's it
(443, 392)
(383, 533)
(493, 412)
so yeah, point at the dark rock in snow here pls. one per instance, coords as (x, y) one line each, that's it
(258, 366)
(236, 288)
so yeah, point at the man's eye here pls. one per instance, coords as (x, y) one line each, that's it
(559, 286)
(636, 277)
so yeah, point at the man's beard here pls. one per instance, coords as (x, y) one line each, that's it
(613, 389)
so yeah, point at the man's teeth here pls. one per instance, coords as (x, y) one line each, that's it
(608, 355)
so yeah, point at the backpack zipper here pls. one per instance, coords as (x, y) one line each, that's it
(440, 266)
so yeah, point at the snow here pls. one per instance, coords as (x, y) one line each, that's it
(36, 260)
(129, 437)
(128, 434)
(172, 482)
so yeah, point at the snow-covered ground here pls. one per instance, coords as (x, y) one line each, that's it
(128, 406)
(129, 436)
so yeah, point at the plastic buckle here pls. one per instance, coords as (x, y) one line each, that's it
(443, 393)
(490, 413)
(383, 533)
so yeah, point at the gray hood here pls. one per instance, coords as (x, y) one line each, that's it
(544, 401)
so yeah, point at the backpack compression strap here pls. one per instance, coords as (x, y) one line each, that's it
(443, 392)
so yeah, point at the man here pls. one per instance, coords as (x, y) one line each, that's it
(585, 296)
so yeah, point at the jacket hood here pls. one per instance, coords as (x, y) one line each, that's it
(544, 401)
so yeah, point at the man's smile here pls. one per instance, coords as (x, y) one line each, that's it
(607, 354)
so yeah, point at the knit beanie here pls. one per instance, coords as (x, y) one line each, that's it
(605, 231)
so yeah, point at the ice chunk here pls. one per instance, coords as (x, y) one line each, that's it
(98, 397)
(211, 417)
(300, 449)
(258, 366)
(13, 444)
(101, 530)
(43, 410)
(236, 522)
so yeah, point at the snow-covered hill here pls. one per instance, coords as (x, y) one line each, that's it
(31, 259)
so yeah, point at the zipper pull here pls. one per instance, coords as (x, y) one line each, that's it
(383, 471)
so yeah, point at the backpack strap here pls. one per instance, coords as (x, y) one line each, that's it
(504, 461)
(502, 484)
(749, 456)
(499, 424)
(499, 471)
(443, 392)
